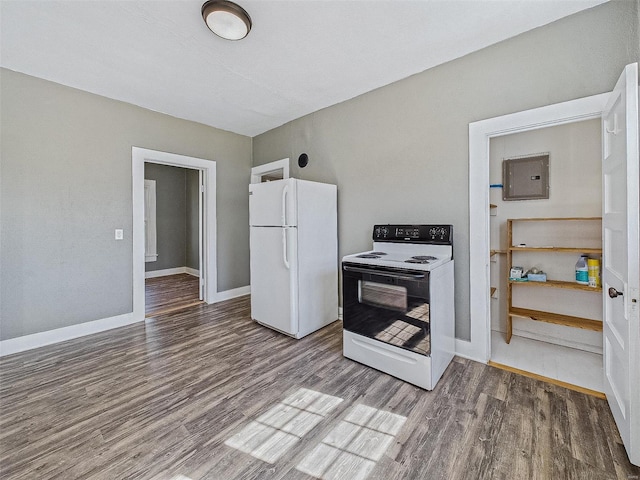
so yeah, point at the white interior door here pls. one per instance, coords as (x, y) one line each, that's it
(621, 272)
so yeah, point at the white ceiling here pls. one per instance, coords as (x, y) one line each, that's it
(301, 55)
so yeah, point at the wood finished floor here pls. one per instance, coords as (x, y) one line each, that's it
(170, 293)
(180, 397)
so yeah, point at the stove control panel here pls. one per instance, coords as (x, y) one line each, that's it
(432, 234)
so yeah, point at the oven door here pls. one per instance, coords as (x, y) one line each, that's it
(391, 306)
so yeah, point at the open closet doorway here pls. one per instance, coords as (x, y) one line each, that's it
(619, 235)
(566, 344)
(199, 176)
(173, 217)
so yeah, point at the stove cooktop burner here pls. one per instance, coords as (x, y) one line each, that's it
(371, 255)
(421, 259)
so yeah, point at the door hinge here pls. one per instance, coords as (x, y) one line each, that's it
(633, 302)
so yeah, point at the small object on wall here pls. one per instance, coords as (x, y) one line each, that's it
(303, 160)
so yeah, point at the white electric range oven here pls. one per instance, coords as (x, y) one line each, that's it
(398, 303)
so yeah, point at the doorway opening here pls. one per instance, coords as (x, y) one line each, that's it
(204, 196)
(618, 113)
(172, 215)
(272, 171)
(557, 346)
(481, 134)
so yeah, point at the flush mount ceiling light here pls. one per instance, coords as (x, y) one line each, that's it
(226, 19)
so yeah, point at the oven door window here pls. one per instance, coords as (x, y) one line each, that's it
(375, 294)
(389, 309)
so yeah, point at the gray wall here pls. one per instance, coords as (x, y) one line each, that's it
(400, 153)
(175, 216)
(65, 187)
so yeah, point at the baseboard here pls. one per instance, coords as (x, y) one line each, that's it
(550, 380)
(171, 271)
(466, 349)
(192, 271)
(233, 293)
(41, 339)
(556, 340)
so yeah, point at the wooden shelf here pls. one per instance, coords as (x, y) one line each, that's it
(540, 315)
(557, 249)
(559, 284)
(558, 219)
(558, 319)
(496, 252)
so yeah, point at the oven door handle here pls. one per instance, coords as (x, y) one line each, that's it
(402, 276)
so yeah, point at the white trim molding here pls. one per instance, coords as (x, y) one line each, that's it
(41, 339)
(268, 168)
(192, 271)
(171, 271)
(480, 134)
(233, 293)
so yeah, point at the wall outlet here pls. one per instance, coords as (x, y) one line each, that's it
(119, 234)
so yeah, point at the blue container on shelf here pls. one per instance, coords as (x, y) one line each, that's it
(537, 277)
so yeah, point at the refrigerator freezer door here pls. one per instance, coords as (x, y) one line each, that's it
(273, 203)
(274, 300)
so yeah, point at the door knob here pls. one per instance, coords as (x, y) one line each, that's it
(613, 293)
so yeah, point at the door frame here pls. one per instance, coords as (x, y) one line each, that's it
(480, 134)
(140, 156)
(279, 165)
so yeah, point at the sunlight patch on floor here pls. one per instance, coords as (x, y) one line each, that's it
(273, 433)
(353, 447)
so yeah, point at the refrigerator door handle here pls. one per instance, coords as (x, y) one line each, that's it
(284, 248)
(285, 192)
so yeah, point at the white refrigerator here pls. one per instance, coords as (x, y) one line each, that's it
(294, 255)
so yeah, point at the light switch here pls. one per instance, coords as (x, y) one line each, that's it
(119, 234)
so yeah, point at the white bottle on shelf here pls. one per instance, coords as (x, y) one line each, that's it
(582, 271)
